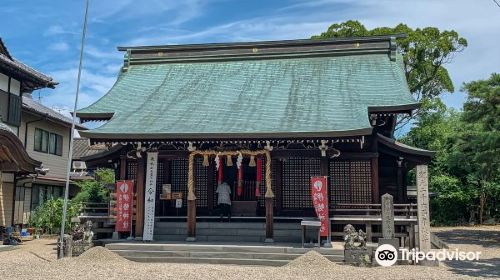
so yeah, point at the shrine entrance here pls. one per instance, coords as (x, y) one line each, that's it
(246, 198)
(247, 184)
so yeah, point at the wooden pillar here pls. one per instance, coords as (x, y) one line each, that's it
(191, 220)
(191, 199)
(399, 178)
(123, 167)
(375, 180)
(139, 222)
(278, 165)
(210, 187)
(269, 220)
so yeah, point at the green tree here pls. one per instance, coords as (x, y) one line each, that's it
(465, 171)
(478, 144)
(437, 130)
(96, 190)
(426, 51)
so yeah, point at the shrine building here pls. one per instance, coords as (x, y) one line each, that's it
(264, 117)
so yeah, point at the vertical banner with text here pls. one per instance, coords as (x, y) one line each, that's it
(124, 205)
(319, 187)
(150, 196)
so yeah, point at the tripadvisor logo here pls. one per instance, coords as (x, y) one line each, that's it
(387, 255)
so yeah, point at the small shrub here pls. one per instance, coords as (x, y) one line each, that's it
(48, 216)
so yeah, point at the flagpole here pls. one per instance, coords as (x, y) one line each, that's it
(70, 156)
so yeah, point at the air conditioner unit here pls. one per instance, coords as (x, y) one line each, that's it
(79, 165)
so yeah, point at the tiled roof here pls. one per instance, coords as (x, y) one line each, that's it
(82, 148)
(35, 107)
(318, 94)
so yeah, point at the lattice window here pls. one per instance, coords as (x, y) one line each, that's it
(296, 180)
(179, 173)
(161, 178)
(339, 182)
(131, 170)
(350, 181)
(361, 181)
(201, 182)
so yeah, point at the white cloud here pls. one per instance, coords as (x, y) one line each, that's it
(59, 46)
(54, 30)
(178, 11)
(92, 87)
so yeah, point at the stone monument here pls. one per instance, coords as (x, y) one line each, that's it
(388, 231)
(424, 230)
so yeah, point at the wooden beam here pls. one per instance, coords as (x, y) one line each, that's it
(139, 223)
(269, 220)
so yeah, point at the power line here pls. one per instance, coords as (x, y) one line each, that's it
(496, 3)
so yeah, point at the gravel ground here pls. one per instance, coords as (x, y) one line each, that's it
(37, 260)
(484, 239)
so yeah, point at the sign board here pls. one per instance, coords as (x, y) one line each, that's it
(178, 203)
(150, 196)
(177, 195)
(166, 189)
(124, 205)
(319, 187)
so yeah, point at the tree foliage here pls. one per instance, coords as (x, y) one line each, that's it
(48, 216)
(426, 51)
(465, 171)
(95, 190)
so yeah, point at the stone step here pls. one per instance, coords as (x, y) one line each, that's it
(230, 231)
(226, 225)
(182, 237)
(139, 246)
(204, 255)
(213, 237)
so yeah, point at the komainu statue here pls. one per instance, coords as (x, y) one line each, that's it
(82, 238)
(353, 239)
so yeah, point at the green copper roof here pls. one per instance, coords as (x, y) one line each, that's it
(279, 97)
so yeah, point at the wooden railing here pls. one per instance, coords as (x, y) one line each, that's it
(400, 210)
(367, 215)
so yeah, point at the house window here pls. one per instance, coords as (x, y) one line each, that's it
(42, 193)
(47, 142)
(14, 117)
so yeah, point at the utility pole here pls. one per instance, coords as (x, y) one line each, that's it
(70, 156)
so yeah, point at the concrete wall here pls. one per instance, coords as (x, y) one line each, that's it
(56, 164)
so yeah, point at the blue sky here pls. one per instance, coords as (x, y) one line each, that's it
(45, 34)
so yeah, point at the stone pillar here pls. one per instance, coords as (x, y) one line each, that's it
(424, 229)
(387, 216)
(388, 222)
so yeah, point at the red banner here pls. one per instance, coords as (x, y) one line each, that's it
(124, 205)
(319, 187)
